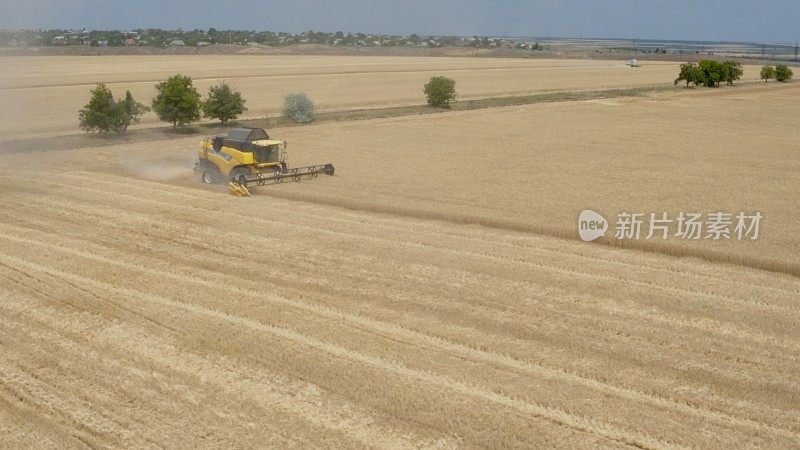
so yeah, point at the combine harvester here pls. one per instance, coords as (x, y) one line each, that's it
(247, 157)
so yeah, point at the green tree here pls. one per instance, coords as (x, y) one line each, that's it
(131, 110)
(712, 72)
(223, 103)
(731, 71)
(440, 91)
(101, 113)
(690, 73)
(298, 107)
(767, 73)
(783, 73)
(177, 101)
(105, 114)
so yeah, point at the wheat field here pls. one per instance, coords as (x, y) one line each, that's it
(535, 167)
(431, 294)
(42, 95)
(137, 313)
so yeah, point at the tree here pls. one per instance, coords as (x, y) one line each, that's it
(690, 73)
(130, 111)
(783, 73)
(712, 72)
(767, 73)
(105, 114)
(223, 103)
(298, 107)
(440, 91)
(177, 101)
(101, 113)
(731, 71)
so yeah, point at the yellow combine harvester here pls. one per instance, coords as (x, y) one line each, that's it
(248, 157)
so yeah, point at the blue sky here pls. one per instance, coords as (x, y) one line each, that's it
(756, 21)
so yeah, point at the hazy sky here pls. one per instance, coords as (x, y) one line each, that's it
(752, 20)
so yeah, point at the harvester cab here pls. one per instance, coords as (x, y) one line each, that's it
(247, 157)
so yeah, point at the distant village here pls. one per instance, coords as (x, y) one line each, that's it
(203, 38)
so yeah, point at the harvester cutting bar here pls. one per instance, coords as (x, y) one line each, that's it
(295, 174)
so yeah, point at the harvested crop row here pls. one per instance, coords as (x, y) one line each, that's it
(253, 315)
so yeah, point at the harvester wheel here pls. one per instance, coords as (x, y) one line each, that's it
(239, 173)
(209, 177)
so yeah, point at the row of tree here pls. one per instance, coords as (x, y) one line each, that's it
(781, 73)
(710, 73)
(178, 102)
(104, 113)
